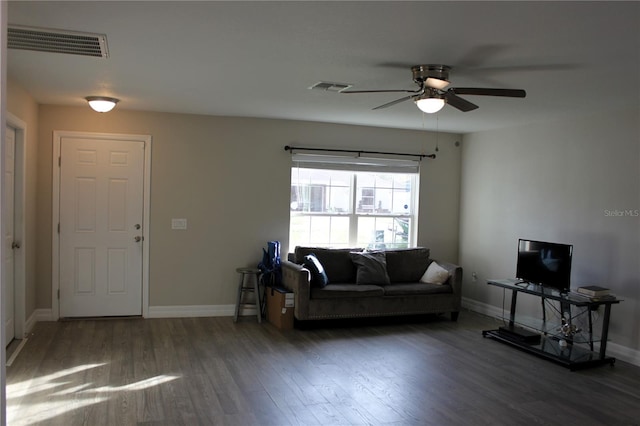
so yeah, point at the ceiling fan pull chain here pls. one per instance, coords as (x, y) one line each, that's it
(437, 133)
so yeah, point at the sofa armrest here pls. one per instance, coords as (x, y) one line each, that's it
(455, 276)
(297, 279)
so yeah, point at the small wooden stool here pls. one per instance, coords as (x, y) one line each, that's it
(247, 275)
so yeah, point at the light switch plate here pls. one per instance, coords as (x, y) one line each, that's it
(179, 224)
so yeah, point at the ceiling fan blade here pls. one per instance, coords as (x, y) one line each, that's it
(459, 103)
(479, 55)
(397, 101)
(382, 91)
(510, 93)
(518, 68)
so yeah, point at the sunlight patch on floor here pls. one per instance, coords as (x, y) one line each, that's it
(48, 410)
(56, 394)
(142, 384)
(72, 390)
(38, 384)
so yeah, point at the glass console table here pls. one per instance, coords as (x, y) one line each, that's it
(558, 339)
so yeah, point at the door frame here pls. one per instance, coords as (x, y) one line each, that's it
(55, 213)
(19, 233)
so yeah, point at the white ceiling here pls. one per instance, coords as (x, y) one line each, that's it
(257, 59)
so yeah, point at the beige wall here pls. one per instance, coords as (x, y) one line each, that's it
(24, 107)
(555, 182)
(230, 178)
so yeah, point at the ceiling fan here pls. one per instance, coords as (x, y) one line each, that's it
(431, 95)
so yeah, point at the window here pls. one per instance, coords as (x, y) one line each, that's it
(352, 208)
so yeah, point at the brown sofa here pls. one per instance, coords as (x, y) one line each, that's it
(346, 296)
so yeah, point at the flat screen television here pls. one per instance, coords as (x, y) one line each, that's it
(544, 263)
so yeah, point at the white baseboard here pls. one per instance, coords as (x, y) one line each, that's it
(615, 350)
(196, 311)
(623, 353)
(159, 312)
(38, 315)
(44, 314)
(30, 322)
(483, 308)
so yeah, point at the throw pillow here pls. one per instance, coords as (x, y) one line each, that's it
(435, 274)
(407, 265)
(318, 276)
(372, 268)
(336, 262)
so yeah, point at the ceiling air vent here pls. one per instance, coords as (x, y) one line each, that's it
(57, 41)
(330, 87)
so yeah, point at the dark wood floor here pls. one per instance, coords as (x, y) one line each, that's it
(210, 371)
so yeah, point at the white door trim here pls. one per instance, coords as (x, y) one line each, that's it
(55, 249)
(19, 209)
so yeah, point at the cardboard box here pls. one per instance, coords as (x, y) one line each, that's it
(280, 308)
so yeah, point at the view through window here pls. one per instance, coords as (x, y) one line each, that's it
(338, 208)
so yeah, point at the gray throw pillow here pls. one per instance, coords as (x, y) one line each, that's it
(407, 265)
(372, 268)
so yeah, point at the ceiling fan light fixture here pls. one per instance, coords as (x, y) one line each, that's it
(102, 103)
(430, 105)
(436, 83)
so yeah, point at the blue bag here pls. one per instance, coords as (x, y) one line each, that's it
(270, 265)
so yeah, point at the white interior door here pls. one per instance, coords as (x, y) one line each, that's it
(101, 220)
(8, 218)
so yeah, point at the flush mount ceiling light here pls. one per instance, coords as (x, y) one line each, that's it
(102, 103)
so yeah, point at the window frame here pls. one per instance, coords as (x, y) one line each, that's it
(354, 216)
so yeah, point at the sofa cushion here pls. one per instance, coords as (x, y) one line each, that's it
(408, 289)
(372, 268)
(336, 262)
(435, 274)
(318, 276)
(407, 265)
(332, 291)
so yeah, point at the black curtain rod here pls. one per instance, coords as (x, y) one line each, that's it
(359, 152)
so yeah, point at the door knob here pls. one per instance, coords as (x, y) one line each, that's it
(137, 226)
(137, 238)
(15, 245)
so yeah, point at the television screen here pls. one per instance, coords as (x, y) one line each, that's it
(544, 263)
